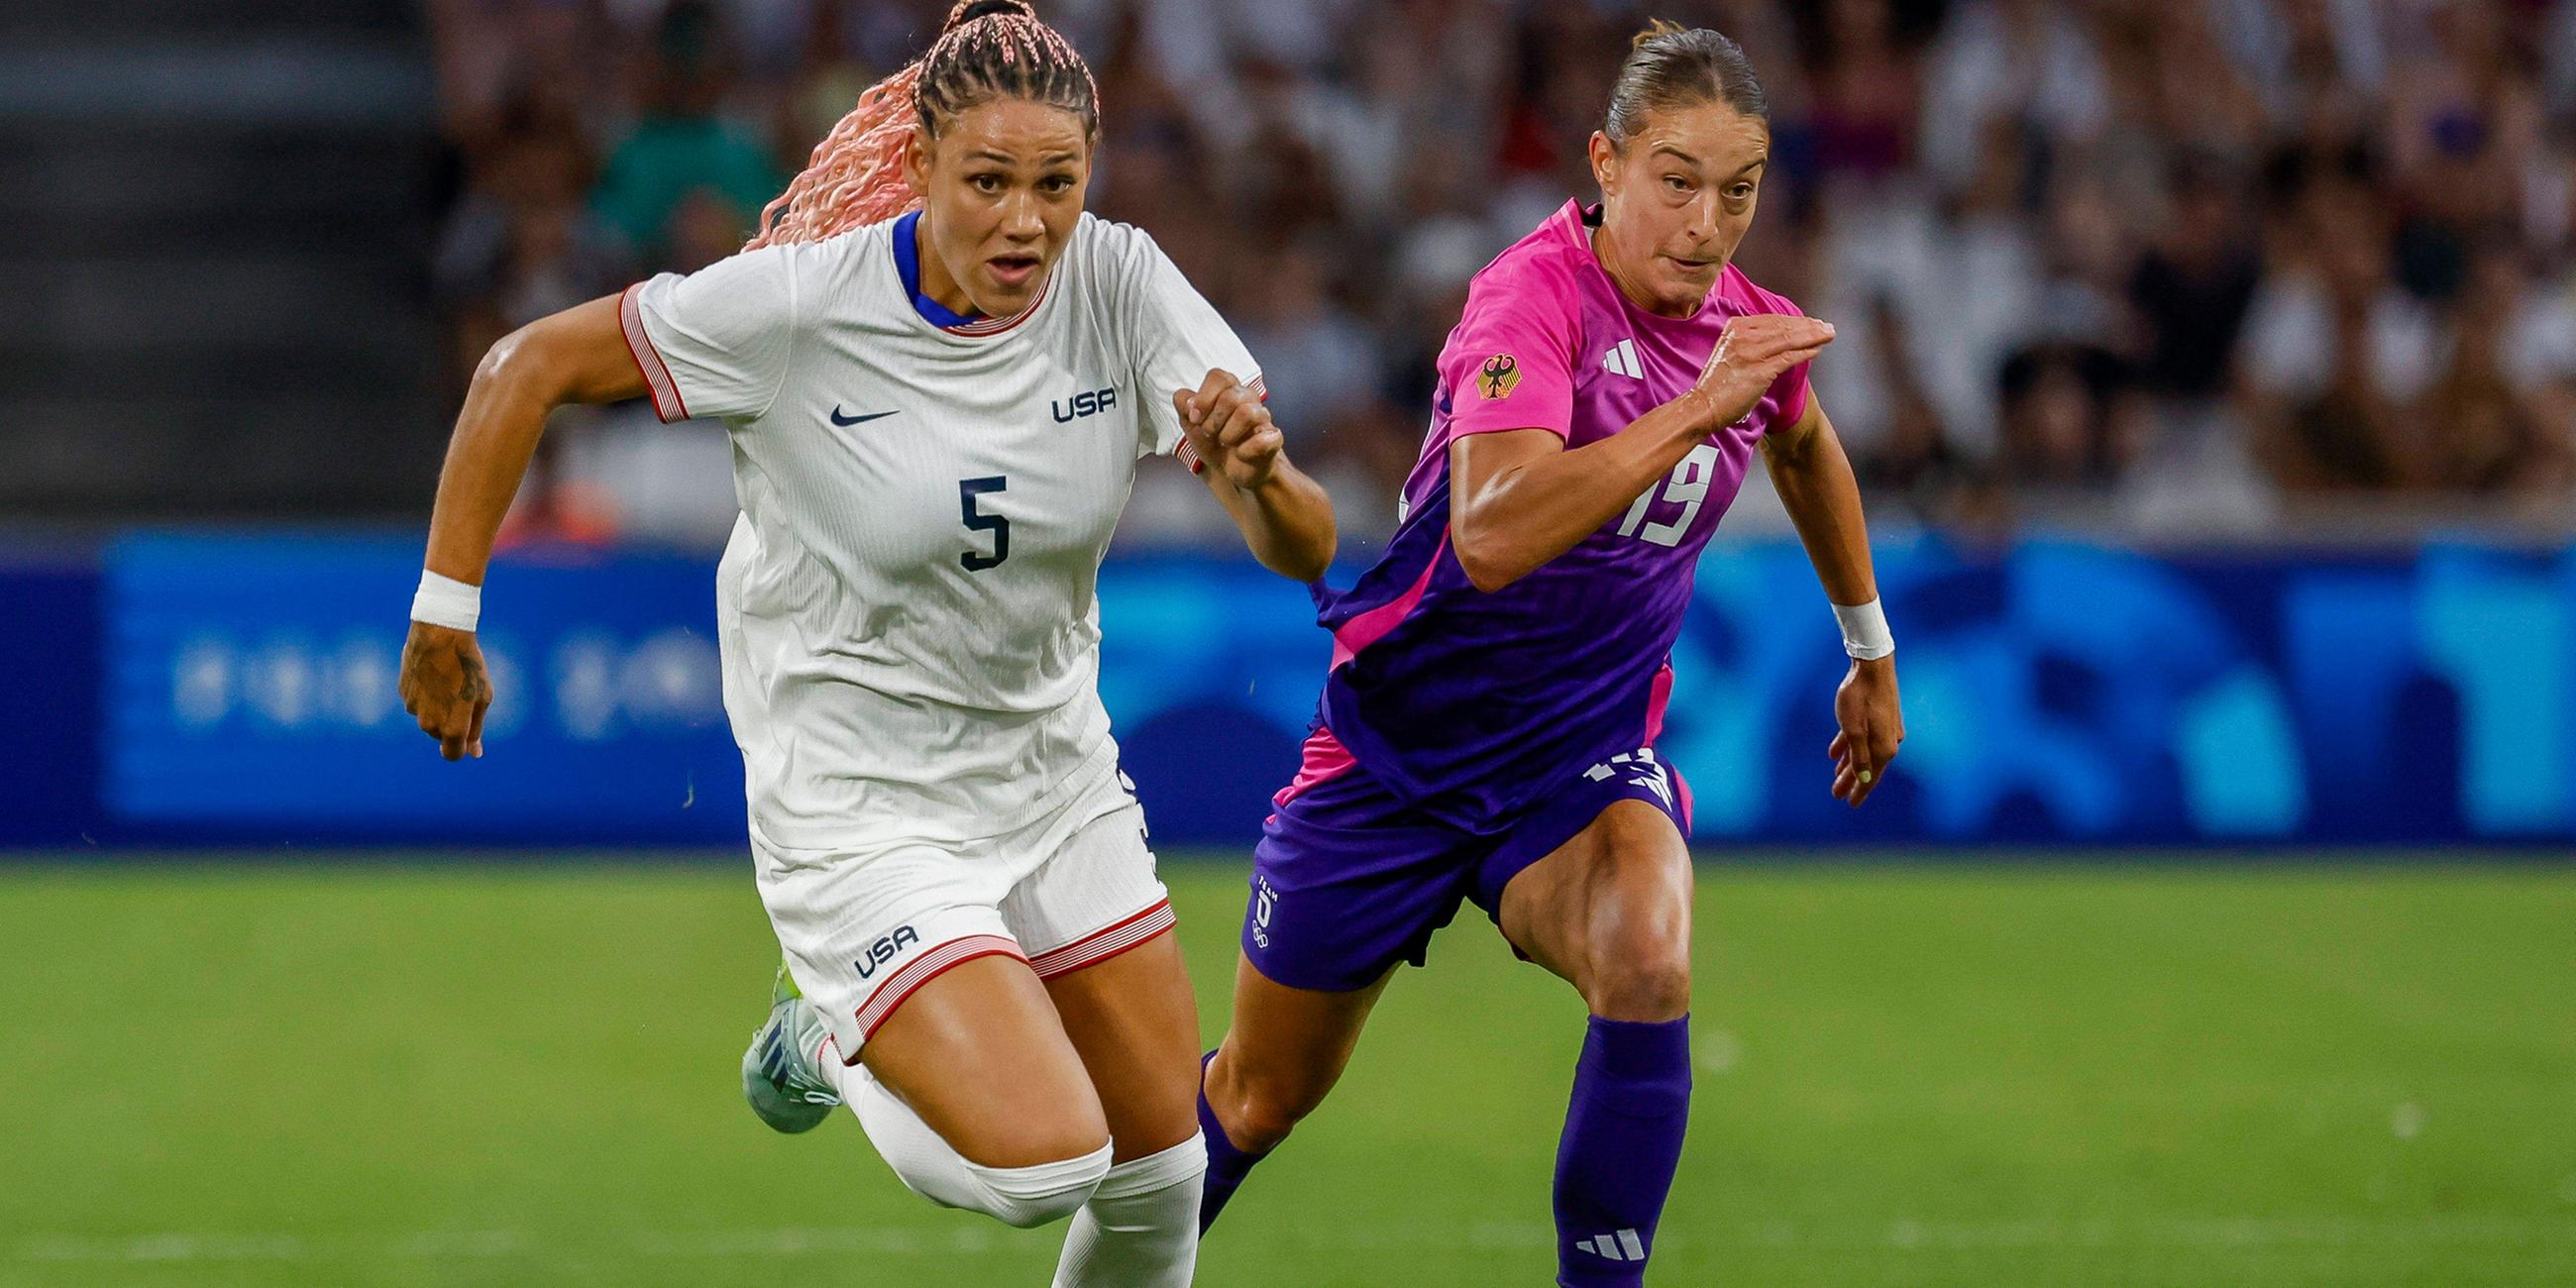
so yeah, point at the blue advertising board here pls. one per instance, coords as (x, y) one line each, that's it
(251, 694)
(2056, 692)
(49, 649)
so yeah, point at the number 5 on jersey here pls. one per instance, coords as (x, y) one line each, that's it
(978, 521)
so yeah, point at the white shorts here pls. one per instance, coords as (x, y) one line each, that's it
(864, 929)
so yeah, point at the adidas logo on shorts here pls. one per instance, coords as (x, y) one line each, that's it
(1646, 771)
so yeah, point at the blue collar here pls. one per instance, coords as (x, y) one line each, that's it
(907, 263)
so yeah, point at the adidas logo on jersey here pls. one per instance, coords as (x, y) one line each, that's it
(1623, 1246)
(1622, 361)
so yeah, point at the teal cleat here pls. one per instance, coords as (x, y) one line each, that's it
(779, 1074)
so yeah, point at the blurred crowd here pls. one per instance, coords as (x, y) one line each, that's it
(2178, 266)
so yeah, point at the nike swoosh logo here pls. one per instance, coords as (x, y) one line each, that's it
(845, 421)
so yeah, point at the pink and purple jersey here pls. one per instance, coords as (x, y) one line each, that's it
(1468, 704)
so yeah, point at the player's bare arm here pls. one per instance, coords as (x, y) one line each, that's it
(576, 356)
(1285, 517)
(1520, 498)
(1815, 483)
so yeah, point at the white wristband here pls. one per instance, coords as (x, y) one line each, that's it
(1865, 631)
(445, 601)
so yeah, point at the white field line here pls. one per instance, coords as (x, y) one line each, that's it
(2190, 1233)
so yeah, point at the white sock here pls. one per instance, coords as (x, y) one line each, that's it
(1017, 1196)
(1141, 1227)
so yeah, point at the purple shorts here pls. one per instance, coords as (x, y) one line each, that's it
(1348, 879)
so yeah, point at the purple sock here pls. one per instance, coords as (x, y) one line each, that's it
(1227, 1166)
(1623, 1138)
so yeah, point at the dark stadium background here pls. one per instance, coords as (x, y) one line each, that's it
(2210, 366)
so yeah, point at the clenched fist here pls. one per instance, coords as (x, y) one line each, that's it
(1230, 429)
(445, 685)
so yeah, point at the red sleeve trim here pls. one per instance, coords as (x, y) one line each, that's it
(648, 360)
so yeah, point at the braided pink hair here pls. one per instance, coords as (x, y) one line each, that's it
(987, 49)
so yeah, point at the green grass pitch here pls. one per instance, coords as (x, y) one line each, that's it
(524, 1074)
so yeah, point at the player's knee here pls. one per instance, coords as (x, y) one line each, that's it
(1041, 1142)
(1270, 1108)
(1028, 1197)
(1648, 986)
(1265, 1123)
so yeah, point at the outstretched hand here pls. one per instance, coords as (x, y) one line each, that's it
(445, 685)
(1230, 429)
(1751, 354)
(1873, 727)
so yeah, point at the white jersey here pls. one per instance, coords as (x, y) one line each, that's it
(910, 637)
